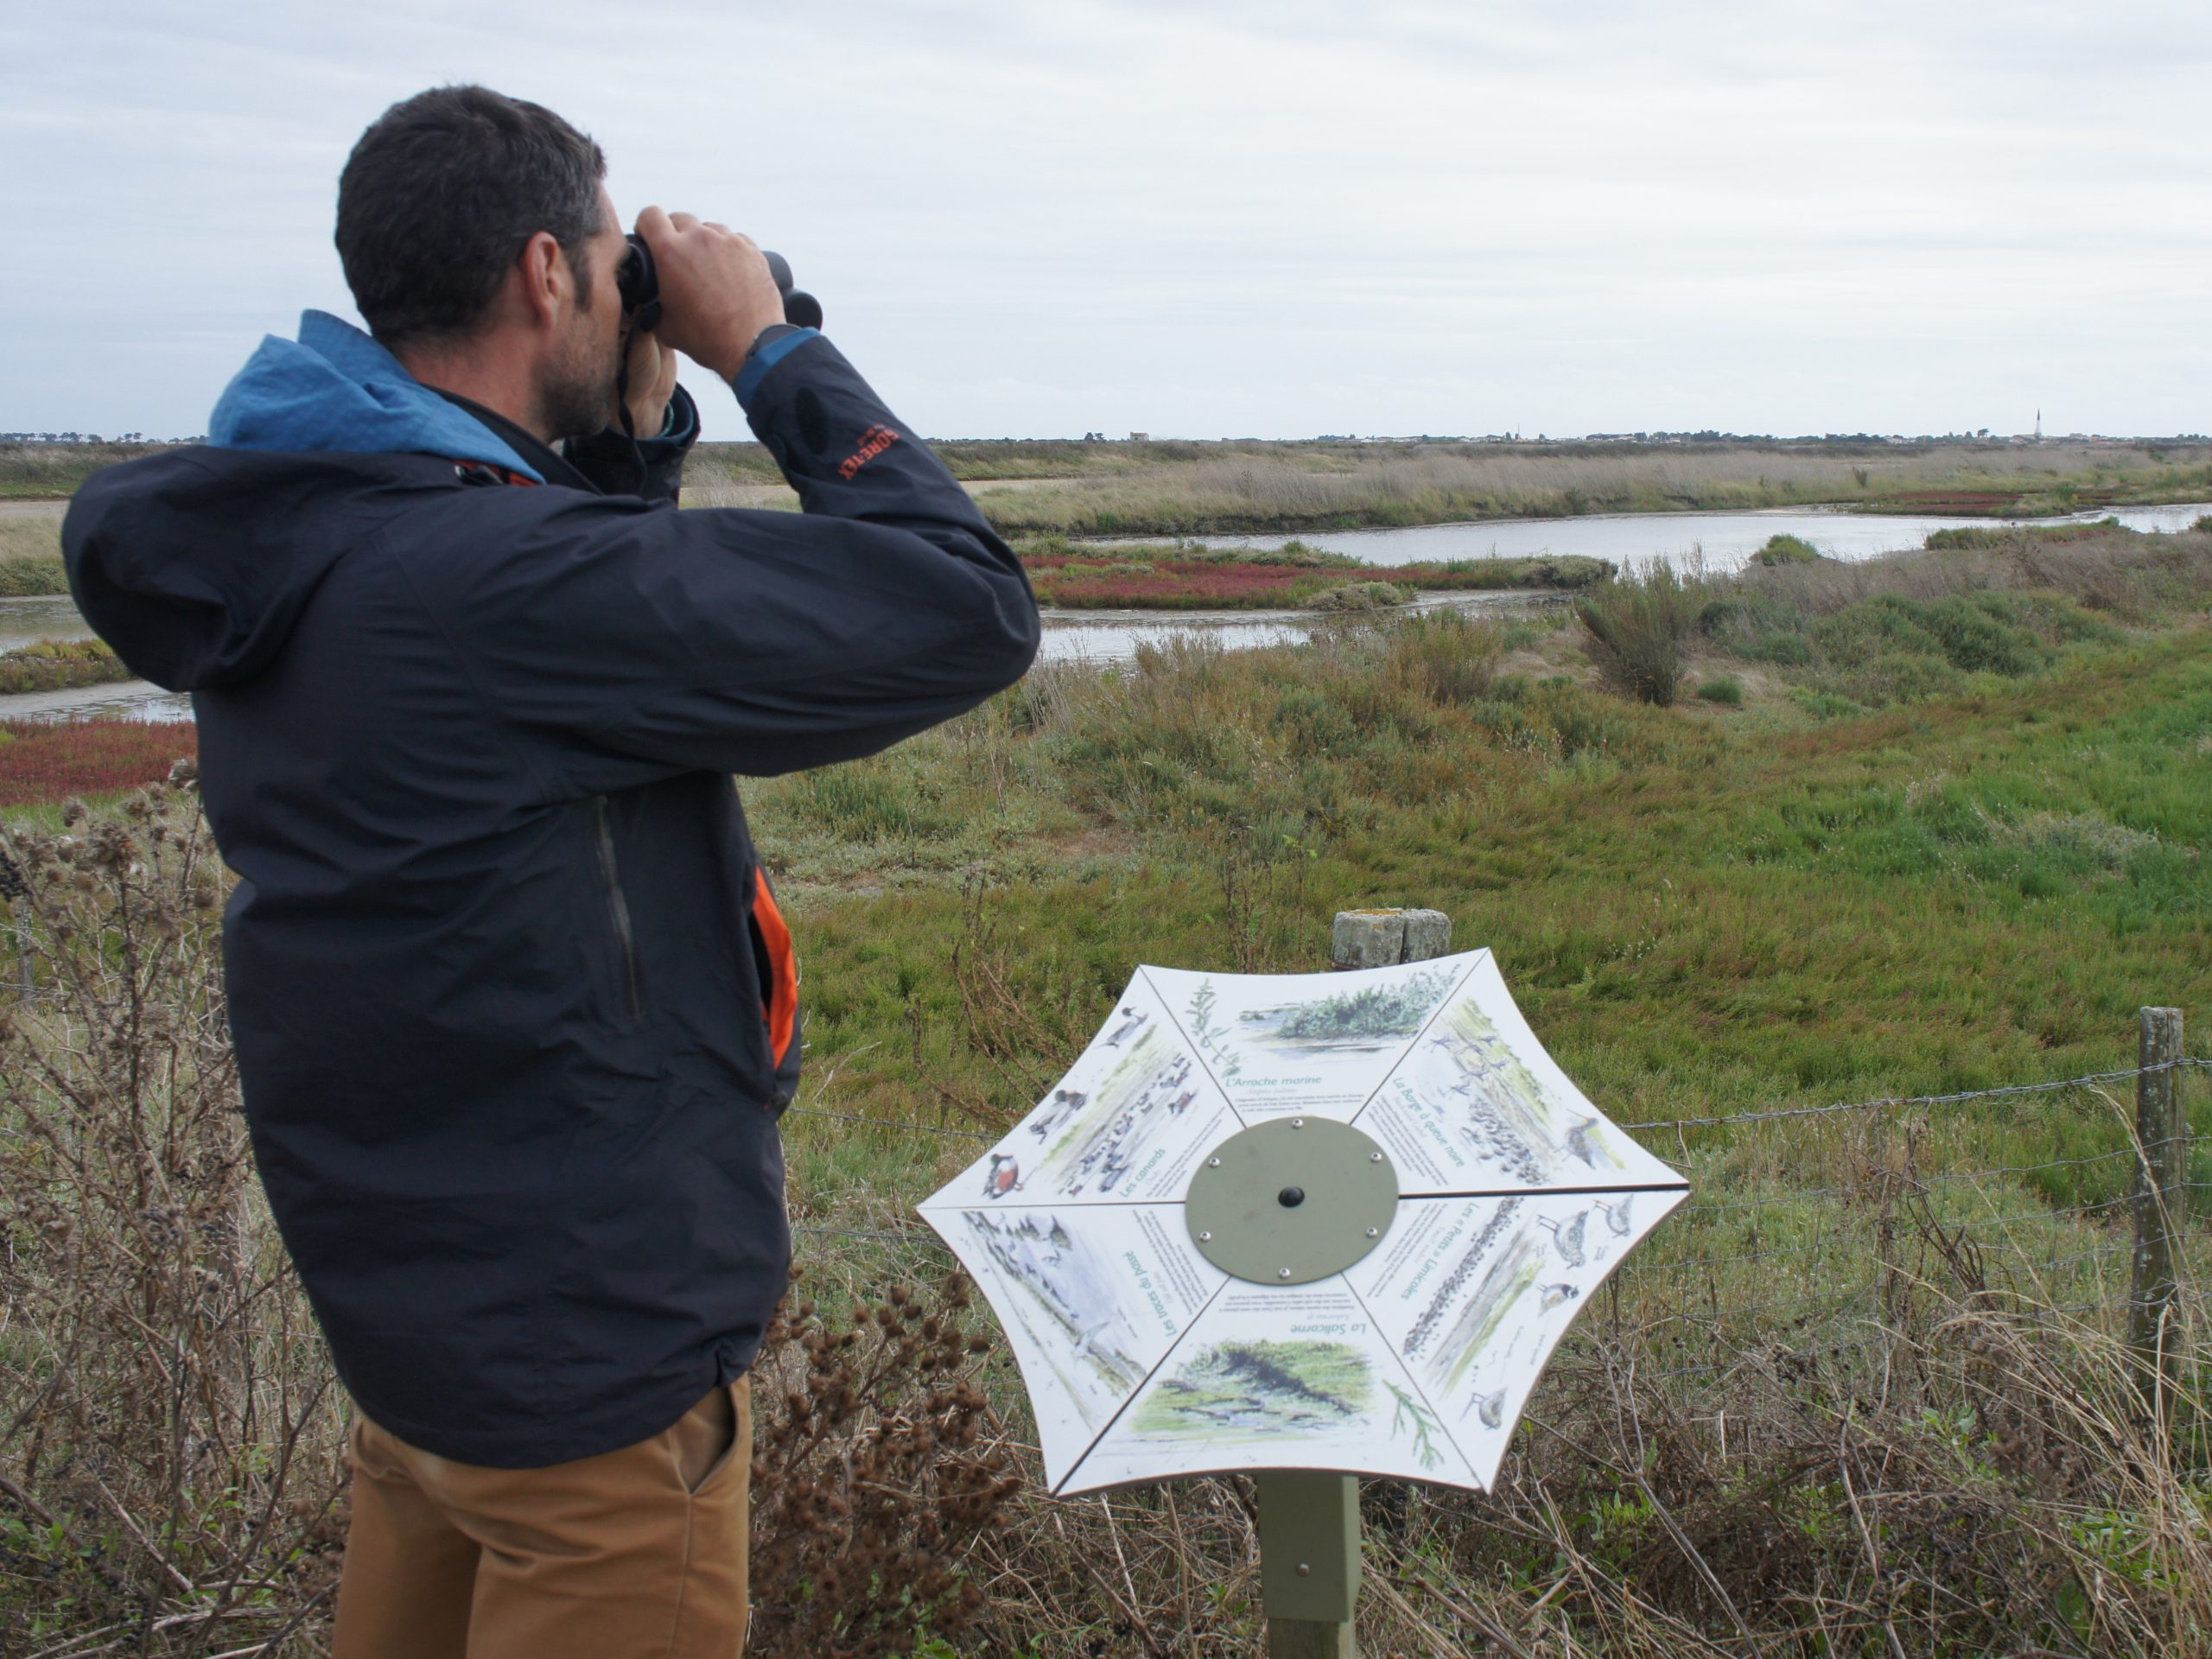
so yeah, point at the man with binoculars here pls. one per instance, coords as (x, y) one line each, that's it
(514, 1009)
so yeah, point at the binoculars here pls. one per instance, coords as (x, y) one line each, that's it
(639, 283)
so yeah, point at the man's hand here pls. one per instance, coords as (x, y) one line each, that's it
(652, 382)
(716, 293)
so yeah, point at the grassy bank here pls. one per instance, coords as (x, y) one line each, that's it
(51, 471)
(30, 557)
(1438, 484)
(59, 665)
(1192, 576)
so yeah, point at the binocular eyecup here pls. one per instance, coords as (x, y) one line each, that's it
(639, 283)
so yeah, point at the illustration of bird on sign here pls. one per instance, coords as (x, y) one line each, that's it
(1330, 1222)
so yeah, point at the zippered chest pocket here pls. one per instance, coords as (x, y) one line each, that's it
(617, 907)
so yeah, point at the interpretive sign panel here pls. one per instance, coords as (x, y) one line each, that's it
(1400, 1341)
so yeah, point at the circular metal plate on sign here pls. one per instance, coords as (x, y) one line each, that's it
(1292, 1200)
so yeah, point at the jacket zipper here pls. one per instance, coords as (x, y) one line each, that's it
(620, 907)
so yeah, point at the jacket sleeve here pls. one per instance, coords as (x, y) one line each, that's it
(636, 639)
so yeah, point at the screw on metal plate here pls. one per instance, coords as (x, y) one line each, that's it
(1297, 1123)
(1372, 1232)
(1206, 1238)
(1213, 1163)
(1291, 1197)
(1373, 1157)
(1282, 1272)
(1305, 1569)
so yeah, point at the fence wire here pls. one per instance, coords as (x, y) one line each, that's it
(2054, 1086)
(1684, 1301)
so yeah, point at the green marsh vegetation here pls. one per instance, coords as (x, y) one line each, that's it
(1865, 1397)
(1786, 549)
(1203, 807)
(1954, 844)
(56, 665)
(1190, 576)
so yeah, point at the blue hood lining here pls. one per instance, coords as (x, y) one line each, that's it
(335, 391)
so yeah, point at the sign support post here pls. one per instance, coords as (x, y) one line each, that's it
(1309, 1561)
(1309, 1521)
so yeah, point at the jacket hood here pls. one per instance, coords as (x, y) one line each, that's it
(194, 564)
(334, 389)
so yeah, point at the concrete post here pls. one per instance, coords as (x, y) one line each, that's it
(1382, 938)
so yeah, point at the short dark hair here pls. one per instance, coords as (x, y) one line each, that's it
(442, 193)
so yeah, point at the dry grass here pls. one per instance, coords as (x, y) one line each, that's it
(1185, 489)
(1938, 1448)
(2124, 574)
(169, 1426)
(1291, 487)
(30, 556)
(172, 1475)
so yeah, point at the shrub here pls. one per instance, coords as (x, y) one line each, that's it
(2050, 617)
(877, 1462)
(1360, 596)
(1636, 629)
(167, 1413)
(1787, 550)
(52, 665)
(1452, 656)
(1899, 677)
(1757, 627)
(1966, 538)
(1976, 642)
(1723, 689)
(33, 575)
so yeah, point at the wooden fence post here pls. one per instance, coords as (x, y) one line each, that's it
(2161, 1208)
(26, 970)
(1309, 1519)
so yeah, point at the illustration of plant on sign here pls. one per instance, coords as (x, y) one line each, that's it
(1423, 1420)
(1374, 1012)
(1212, 1040)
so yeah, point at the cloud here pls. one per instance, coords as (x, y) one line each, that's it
(1212, 216)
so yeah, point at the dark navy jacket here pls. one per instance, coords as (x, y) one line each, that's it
(501, 1004)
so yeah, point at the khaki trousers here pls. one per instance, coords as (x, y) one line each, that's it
(639, 1553)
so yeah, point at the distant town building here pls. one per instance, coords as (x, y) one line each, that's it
(1140, 437)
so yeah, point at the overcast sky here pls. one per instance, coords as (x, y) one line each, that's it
(1211, 218)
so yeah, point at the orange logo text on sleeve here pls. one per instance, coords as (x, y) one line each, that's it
(873, 443)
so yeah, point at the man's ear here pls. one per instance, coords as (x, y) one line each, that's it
(548, 285)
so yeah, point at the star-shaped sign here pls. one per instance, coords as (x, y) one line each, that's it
(1323, 1220)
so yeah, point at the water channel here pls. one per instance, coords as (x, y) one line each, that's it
(1717, 542)
(1714, 542)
